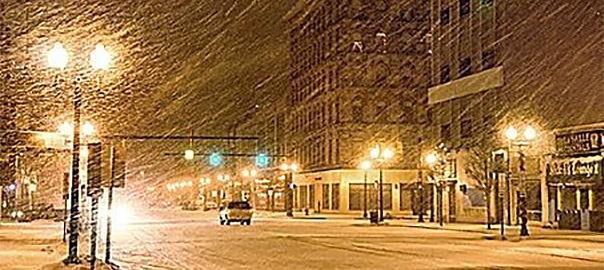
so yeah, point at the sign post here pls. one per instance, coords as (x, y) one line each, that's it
(94, 191)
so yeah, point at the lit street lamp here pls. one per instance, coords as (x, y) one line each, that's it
(366, 166)
(58, 58)
(381, 155)
(437, 163)
(529, 134)
(289, 170)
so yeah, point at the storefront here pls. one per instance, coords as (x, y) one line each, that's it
(574, 180)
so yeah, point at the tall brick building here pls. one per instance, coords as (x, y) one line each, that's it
(515, 63)
(358, 78)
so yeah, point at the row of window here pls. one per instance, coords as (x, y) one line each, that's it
(465, 66)
(324, 80)
(315, 117)
(319, 151)
(465, 8)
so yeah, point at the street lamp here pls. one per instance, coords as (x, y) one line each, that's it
(289, 169)
(381, 155)
(365, 166)
(529, 134)
(57, 58)
(437, 163)
(189, 154)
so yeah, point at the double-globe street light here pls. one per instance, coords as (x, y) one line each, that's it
(438, 163)
(289, 169)
(381, 155)
(529, 134)
(58, 58)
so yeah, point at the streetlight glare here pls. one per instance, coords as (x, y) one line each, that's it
(284, 167)
(245, 173)
(375, 152)
(511, 133)
(366, 165)
(87, 129)
(431, 159)
(100, 58)
(189, 154)
(66, 129)
(530, 133)
(57, 56)
(253, 173)
(387, 153)
(294, 167)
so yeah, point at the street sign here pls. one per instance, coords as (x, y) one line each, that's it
(119, 180)
(94, 168)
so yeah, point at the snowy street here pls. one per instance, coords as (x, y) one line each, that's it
(195, 240)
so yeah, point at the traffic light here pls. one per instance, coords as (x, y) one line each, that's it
(215, 159)
(262, 160)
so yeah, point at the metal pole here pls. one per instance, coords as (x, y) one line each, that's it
(381, 196)
(109, 203)
(508, 183)
(289, 194)
(65, 197)
(440, 204)
(420, 218)
(93, 230)
(523, 198)
(74, 217)
(365, 196)
(432, 203)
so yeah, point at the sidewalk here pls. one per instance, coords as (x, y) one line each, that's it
(511, 232)
(30, 245)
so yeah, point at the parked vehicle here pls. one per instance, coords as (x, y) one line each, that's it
(236, 212)
(210, 206)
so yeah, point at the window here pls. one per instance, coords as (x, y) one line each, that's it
(445, 74)
(408, 114)
(337, 151)
(445, 132)
(466, 128)
(464, 7)
(444, 16)
(465, 67)
(356, 197)
(381, 113)
(335, 196)
(486, 3)
(325, 195)
(357, 111)
(488, 59)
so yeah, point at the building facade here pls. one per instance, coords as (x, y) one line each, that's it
(497, 64)
(358, 78)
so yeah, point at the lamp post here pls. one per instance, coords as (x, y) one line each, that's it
(289, 169)
(437, 162)
(366, 166)
(250, 176)
(58, 58)
(529, 134)
(381, 155)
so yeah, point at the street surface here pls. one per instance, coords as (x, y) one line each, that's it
(174, 239)
(195, 240)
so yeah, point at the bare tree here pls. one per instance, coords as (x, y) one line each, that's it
(477, 168)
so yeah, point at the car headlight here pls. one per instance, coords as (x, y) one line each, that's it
(13, 214)
(19, 214)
